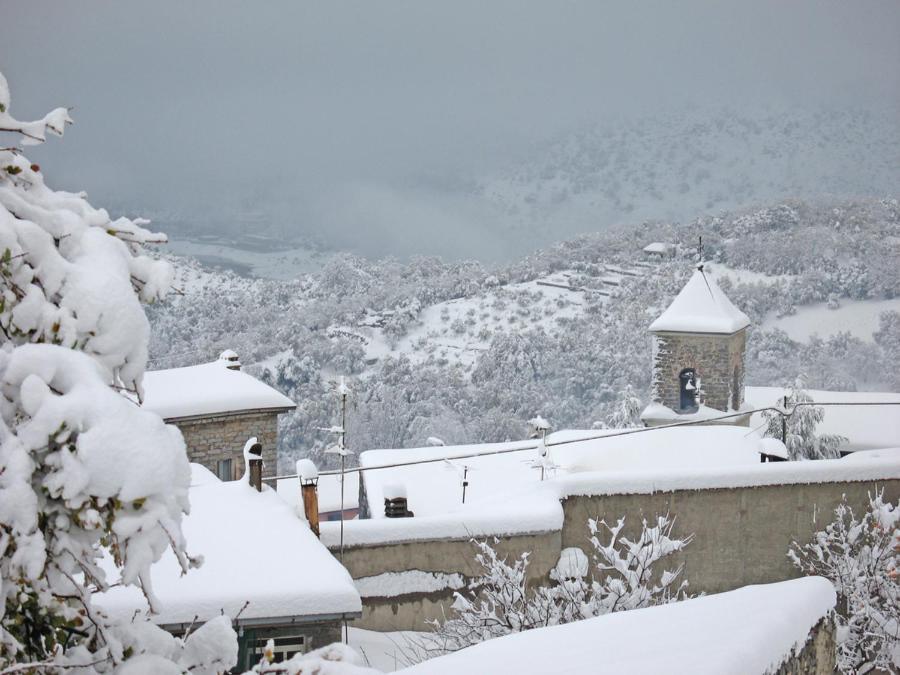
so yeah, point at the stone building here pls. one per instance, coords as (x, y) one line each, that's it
(698, 356)
(217, 408)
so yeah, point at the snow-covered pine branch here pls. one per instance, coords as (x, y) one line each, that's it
(861, 557)
(799, 428)
(84, 472)
(626, 575)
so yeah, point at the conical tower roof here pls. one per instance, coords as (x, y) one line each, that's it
(701, 307)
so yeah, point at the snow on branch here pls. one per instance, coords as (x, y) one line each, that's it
(85, 474)
(861, 557)
(501, 601)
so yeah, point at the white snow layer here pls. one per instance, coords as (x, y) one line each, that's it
(506, 496)
(392, 584)
(701, 307)
(208, 389)
(255, 550)
(436, 487)
(749, 631)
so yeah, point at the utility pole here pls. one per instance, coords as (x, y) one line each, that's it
(544, 448)
(341, 449)
(700, 254)
(784, 421)
(342, 446)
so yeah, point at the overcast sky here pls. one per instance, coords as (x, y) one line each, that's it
(328, 113)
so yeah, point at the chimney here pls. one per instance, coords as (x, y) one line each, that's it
(231, 360)
(395, 504)
(253, 463)
(309, 494)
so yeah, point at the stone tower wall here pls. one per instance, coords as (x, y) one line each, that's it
(717, 359)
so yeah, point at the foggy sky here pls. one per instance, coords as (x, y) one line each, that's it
(350, 120)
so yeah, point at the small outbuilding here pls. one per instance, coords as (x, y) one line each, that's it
(218, 407)
(659, 250)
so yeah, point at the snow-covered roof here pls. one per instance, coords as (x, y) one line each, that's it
(255, 548)
(208, 389)
(701, 307)
(751, 630)
(865, 427)
(662, 414)
(658, 247)
(436, 487)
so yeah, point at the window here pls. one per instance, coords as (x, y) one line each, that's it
(688, 388)
(224, 470)
(285, 647)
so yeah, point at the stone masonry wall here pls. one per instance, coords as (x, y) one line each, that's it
(411, 611)
(713, 357)
(210, 439)
(741, 537)
(818, 656)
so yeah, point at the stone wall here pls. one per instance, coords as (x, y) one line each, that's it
(209, 439)
(717, 359)
(818, 656)
(741, 537)
(410, 611)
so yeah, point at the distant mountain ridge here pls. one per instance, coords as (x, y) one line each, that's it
(677, 167)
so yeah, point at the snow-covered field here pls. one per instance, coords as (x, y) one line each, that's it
(858, 317)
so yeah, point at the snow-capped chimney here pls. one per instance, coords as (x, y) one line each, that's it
(253, 463)
(395, 504)
(309, 495)
(232, 362)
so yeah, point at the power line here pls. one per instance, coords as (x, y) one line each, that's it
(599, 437)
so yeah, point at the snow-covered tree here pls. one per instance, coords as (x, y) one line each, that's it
(500, 601)
(85, 474)
(861, 557)
(626, 413)
(799, 427)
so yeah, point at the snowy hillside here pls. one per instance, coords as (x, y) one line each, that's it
(678, 167)
(468, 353)
(456, 331)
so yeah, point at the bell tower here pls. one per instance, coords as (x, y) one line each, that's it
(698, 356)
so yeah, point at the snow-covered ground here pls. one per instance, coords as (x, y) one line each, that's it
(858, 317)
(749, 631)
